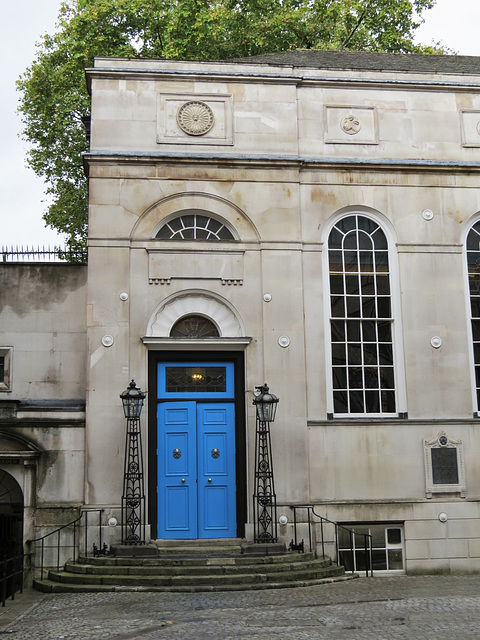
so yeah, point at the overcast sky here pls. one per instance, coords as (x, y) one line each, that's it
(22, 199)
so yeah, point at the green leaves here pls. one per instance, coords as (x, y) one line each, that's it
(54, 94)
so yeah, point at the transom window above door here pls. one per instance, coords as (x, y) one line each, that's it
(195, 226)
(194, 327)
(191, 380)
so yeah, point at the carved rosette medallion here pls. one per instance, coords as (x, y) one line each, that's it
(350, 124)
(195, 118)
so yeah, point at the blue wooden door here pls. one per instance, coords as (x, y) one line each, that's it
(216, 470)
(196, 470)
(177, 470)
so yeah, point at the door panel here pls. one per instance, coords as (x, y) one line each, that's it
(177, 470)
(216, 470)
(196, 470)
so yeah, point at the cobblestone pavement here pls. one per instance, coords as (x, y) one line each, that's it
(380, 608)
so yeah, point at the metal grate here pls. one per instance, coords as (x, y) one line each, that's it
(43, 254)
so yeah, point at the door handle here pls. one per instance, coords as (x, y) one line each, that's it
(183, 479)
(209, 479)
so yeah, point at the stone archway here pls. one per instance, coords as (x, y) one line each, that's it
(18, 463)
(11, 516)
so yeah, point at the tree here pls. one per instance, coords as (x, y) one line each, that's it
(54, 95)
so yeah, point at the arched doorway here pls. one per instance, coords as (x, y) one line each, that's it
(197, 337)
(11, 516)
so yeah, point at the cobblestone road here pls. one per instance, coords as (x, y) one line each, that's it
(381, 608)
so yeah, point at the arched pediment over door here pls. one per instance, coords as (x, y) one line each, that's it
(15, 449)
(230, 331)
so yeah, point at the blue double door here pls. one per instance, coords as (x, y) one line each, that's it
(196, 469)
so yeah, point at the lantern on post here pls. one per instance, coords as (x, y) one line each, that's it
(264, 497)
(133, 497)
(132, 400)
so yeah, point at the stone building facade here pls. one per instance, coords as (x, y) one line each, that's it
(309, 219)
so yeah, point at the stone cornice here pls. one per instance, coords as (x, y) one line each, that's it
(274, 161)
(286, 77)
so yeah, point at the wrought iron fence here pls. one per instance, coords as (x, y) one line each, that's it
(43, 254)
(342, 556)
(11, 576)
(53, 549)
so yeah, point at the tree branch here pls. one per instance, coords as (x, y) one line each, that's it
(359, 22)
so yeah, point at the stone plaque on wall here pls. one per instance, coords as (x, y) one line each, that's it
(470, 124)
(444, 465)
(200, 119)
(350, 125)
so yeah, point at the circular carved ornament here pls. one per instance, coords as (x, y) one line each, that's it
(107, 340)
(195, 118)
(351, 125)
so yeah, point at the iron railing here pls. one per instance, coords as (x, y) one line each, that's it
(11, 576)
(59, 549)
(43, 254)
(366, 549)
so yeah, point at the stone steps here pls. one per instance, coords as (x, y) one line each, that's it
(195, 547)
(214, 567)
(188, 567)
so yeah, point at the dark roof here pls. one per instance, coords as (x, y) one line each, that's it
(365, 61)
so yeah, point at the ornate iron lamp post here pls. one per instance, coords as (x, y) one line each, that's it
(133, 498)
(264, 497)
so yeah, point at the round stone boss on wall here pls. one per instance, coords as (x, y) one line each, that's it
(195, 118)
(350, 124)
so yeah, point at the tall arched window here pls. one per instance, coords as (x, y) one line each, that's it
(361, 320)
(473, 266)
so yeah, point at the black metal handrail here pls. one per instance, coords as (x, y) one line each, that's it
(367, 537)
(43, 254)
(75, 545)
(11, 576)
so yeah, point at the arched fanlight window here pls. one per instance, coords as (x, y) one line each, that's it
(194, 327)
(473, 265)
(195, 226)
(10, 491)
(361, 321)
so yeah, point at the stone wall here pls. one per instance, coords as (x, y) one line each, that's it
(42, 412)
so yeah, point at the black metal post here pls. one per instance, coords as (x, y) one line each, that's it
(133, 498)
(264, 497)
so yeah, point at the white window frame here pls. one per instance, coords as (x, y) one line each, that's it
(388, 546)
(397, 333)
(6, 382)
(195, 212)
(475, 403)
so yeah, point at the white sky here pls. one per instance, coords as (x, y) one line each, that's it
(22, 199)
